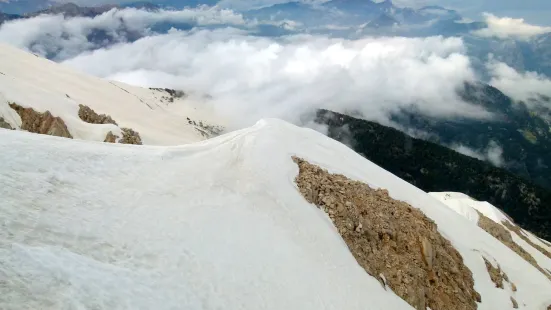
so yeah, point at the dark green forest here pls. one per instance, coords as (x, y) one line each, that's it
(435, 168)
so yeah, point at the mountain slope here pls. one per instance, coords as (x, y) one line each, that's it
(161, 117)
(152, 224)
(435, 168)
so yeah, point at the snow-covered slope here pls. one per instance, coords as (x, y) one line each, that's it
(468, 207)
(32, 81)
(216, 224)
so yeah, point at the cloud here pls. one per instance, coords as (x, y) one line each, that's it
(250, 77)
(253, 77)
(529, 87)
(68, 37)
(507, 27)
(493, 153)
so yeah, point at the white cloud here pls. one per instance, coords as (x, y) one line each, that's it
(251, 77)
(507, 27)
(68, 36)
(528, 86)
(493, 153)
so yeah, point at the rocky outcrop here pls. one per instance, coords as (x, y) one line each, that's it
(393, 241)
(523, 236)
(111, 138)
(496, 274)
(90, 116)
(500, 233)
(515, 303)
(42, 123)
(4, 124)
(130, 136)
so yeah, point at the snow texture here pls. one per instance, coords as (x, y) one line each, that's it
(33, 81)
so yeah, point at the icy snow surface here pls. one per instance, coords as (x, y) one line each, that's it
(32, 81)
(211, 225)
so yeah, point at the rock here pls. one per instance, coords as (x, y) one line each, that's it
(130, 136)
(111, 138)
(391, 238)
(90, 116)
(513, 287)
(495, 273)
(42, 123)
(499, 232)
(4, 124)
(515, 304)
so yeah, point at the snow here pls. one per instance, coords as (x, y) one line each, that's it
(206, 225)
(213, 224)
(32, 81)
(467, 207)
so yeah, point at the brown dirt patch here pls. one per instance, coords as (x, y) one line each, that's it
(4, 124)
(90, 116)
(496, 274)
(515, 304)
(393, 241)
(111, 138)
(42, 123)
(500, 233)
(130, 136)
(523, 236)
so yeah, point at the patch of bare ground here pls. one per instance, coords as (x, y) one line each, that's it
(42, 123)
(523, 236)
(90, 116)
(111, 138)
(129, 136)
(496, 274)
(4, 124)
(500, 233)
(515, 304)
(393, 241)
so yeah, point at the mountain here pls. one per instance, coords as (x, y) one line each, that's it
(7, 17)
(73, 10)
(435, 168)
(271, 216)
(20, 7)
(522, 133)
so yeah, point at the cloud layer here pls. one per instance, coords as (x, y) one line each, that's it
(492, 153)
(68, 37)
(507, 27)
(528, 87)
(251, 77)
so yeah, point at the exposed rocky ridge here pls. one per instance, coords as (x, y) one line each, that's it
(171, 94)
(42, 123)
(523, 236)
(393, 241)
(90, 116)
(500, 233)
(4, 124)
